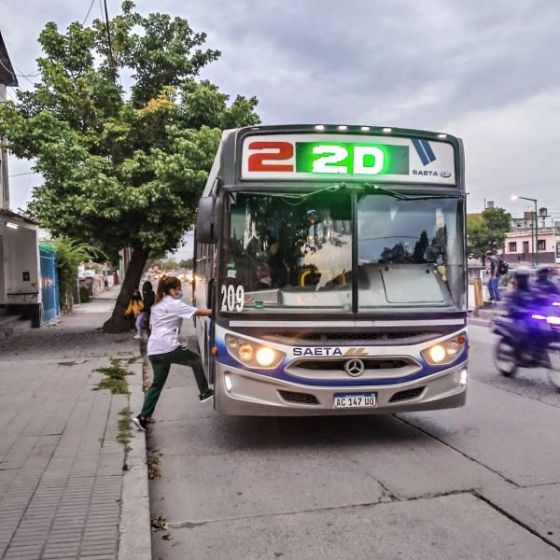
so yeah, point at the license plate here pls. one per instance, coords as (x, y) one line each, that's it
(354, 400)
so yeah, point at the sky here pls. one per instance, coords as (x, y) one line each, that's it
(486, 71)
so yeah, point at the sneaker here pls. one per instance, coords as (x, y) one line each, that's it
(137, 337)
(140, 423)
(206, 396)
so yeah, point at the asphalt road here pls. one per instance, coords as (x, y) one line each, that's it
(482, 481)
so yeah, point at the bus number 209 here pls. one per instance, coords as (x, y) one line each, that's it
(233, 298)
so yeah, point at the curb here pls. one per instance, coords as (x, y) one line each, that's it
(135, 538)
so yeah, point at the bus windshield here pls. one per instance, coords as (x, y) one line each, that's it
(294, 253)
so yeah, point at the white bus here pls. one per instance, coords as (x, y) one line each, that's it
(334, 260)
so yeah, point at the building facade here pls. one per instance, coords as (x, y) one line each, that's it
(20, 273)
(520, 245)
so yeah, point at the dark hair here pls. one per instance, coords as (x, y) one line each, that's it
(147, 287)
(166, 284)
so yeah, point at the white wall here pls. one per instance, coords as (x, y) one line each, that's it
(20, 255)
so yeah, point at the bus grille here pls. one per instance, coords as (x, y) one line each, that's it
(406, 395)
(338, 365)
(298, 398)
(359, 335)
(376, 338)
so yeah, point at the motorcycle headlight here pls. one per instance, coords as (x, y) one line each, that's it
(446, 351)
(252, 354)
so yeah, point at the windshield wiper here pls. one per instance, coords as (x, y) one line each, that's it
(400, 196)
(298, 198)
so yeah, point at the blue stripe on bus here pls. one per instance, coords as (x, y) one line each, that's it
(420, 151)
(281, 374)
(428, 150)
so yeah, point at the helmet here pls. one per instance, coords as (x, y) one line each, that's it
(520, 273)
(543, 272)
(521, 278)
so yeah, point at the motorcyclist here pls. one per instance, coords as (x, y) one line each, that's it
(523, 305)
(521, 298)
(544, 286)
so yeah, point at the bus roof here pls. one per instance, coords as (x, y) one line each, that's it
(306, 152)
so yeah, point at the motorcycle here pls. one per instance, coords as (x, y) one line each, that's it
(533, 344)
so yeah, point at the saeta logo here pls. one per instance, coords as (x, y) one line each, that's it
(424, 151)
(328, 351)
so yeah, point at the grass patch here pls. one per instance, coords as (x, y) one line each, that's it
(115, 378)
(124, 433)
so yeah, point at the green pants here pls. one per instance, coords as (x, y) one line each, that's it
(161, 364)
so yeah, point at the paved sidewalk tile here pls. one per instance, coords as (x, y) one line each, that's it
(60, 462)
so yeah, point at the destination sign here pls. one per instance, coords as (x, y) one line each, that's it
(332, 156)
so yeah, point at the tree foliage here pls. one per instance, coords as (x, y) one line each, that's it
(186, 263)
(69, 255)
(487, 231)
(122, 166)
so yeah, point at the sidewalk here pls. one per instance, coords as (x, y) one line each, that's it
(484, 315)
(61, 466)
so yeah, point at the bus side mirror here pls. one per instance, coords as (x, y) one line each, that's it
(208, 220)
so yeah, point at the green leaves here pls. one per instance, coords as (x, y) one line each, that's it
(122, 169)
(69, 255)
(487, 231)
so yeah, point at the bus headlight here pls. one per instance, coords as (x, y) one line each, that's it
(437, 354)
(253, 354)
(246, 352)
(446, 351)
(266, 356)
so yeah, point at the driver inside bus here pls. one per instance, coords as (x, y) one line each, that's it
(276, 264)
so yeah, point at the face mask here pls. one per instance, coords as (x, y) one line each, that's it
(177, 295)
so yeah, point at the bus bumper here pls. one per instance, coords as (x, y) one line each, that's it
(243, 393)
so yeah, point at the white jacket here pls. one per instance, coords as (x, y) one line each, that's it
(166, 320)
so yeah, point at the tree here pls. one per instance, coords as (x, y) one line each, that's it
(122, 167)
(69, 255)
(487, 231)
(165, 264)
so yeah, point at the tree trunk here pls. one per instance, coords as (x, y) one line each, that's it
(119, 322)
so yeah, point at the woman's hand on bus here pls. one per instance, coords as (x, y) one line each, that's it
(203, 313)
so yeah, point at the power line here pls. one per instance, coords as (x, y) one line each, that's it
(107, 27)
(21, 174)
(88, 12)
(22, 75)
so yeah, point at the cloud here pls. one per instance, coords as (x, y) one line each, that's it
(421, 61)
(513, 150)
(483, 70)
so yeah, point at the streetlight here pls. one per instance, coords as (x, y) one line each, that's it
(536, 244)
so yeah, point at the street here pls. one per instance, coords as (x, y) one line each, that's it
(482, 481)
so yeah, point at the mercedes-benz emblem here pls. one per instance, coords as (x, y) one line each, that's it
(354, 367)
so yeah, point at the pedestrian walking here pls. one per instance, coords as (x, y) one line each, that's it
(143, 320)
(164, 345)
(135, 306)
